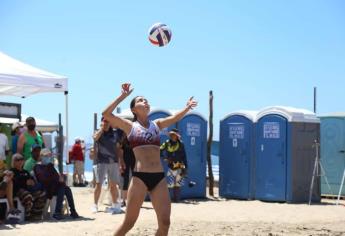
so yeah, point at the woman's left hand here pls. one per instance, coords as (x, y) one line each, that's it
(192, 103)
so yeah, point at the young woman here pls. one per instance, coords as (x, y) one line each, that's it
(148, 175)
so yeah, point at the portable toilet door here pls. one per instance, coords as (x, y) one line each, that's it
(236, 155)
(270, 169)
(193, 128)
(332, 152)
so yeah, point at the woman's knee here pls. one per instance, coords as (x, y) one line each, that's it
(164, 221)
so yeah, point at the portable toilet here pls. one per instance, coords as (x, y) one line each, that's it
(160, 113)
(285, 154)
(236, 155)
(193, 130)
(164, 134)
(332, 152)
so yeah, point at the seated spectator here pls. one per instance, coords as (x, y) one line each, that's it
(31, 195)
(33, 159)
(54, 184)
(6, 191)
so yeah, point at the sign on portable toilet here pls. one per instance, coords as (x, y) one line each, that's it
(332, 152)
(193, 129)
(285, 154)
(236, 155)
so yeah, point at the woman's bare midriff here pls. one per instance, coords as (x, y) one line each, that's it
(147, 159)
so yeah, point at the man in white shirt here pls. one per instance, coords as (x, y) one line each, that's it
(4, 147)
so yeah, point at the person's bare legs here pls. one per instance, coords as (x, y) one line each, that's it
(114, 191)
(161, 203)
(9, 194)
(97, 192)
(135, 197)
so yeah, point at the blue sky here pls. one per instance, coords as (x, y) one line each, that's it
(252, 54)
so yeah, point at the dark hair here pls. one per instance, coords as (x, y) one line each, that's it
(132, 104)
(30, 118)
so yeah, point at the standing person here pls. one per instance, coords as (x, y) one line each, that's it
(129, 160)
(4, 147)
(148, 175)
(16, 131)
(29, 138)
(174, 153)
(107, 162)
(78, 163)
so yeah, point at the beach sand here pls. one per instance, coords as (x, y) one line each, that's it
(211, 216)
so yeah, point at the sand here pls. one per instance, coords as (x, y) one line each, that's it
(211, 216)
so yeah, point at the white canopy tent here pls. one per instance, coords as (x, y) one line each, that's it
(41, 125)
(22, 80)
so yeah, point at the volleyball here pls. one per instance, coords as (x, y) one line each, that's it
(159, 34)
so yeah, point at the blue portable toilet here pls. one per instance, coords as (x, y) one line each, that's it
(285, 154)
(164, 134)
(193, 130)
(236, 155)
(332, 152)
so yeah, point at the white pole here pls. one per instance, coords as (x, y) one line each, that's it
(66, 113)
(341, 187)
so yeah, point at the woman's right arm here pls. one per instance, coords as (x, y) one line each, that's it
(115, 121)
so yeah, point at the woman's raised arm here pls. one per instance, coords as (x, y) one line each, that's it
(115, 121)
(166, 122)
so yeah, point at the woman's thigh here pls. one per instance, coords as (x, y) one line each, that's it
(161, 200)
(135, 198)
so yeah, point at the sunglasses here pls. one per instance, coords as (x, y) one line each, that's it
(19, 159)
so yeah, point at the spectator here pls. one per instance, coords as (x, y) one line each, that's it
(174, 153)
(6, 190)
(4, 147)
(29, 138)
(129, 160)
(31, 194)
(17, 129)
(34, 158)
(107, 162)
(54, 185)
(78, 162)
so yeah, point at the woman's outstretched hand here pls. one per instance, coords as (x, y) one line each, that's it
(126, 89)
(191, 103)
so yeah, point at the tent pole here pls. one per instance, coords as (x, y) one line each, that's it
(66, 113)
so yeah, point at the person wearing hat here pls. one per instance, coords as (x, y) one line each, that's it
(31, 194)
(29, 138)
(78, 163)
(54, 184)
(16, 131)
(34, 157)
(174, 153)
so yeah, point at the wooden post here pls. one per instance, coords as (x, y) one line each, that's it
(209, 144)
(60, 146)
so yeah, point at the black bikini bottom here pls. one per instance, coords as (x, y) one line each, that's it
(150, 179)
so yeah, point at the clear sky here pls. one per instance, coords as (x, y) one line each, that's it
(252, 54)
